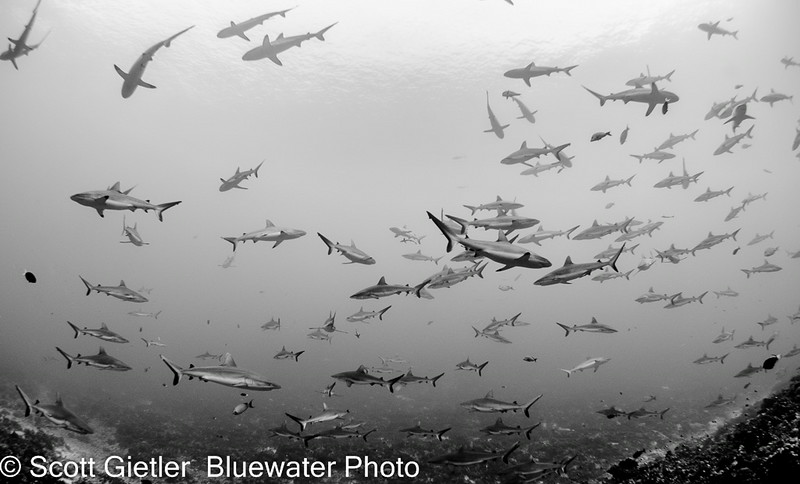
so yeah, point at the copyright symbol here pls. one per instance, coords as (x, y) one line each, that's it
(10, 466)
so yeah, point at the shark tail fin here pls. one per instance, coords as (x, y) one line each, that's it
(722, 360)
(481, 367)
(638, 157)
(382, 311)
(176, 370)
(668, 78)
(321, 34)
(164, 206)
(746, 272)
(701, 297)
(480, 270)
(232, 240)
(436, 378)
(393, 381)
(569, 232)
(734, 34)
(327, 242)
(442, 432)
(74, 328)
(300, 421)
(568, 372)
(471, 208)
(445, 229)
(366, 434)
(155, 316)
(661, 414)
(509, 451)
(567, 69)
(419, 287)
(297, 355)
(88, 285)
(628, 181)
(564, 327)
(306, 439)
(477, 333)
(528, 431)
(27, 401)
(602, 98)
(529, 405)
(562, 470)
(69, 358)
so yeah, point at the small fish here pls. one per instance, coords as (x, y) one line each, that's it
(30, 277)
(770, 362)
(242, 407)
(624, 135)
(600, 135)
(510, 94)
(530, 359)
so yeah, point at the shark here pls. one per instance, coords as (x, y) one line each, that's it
(283, 354)
(678, 300)
(120, 292)
(101, 360)
(652, 296)
(525, 154)
(499, 204)
(327, 415)
(338, 432)
(150, 343)
(705, 359)
(760, 238)
(789, 62)
(674, 180)
(320, 335)
(133, 78)
(361, 377)
(226, 373)
(526, 113)
(20, 46)
(739, 115)
(709, 194)
(500, 428)
(610, 251)
(501, 251)
(283, 431)
(592, 327)
(712, 28)
(363, 316)
(750, 198)
(272, 324)
(411, 378)
(506, 223)
(656, 154)
(237, 178)
(727, 292)
(532, 70)
(488, 404)
(721, 401)
(533, 471)
(751, 343)
(208, 356)
(419, 256)
(56, 413)
(731, 141)
(735, 211)
(102, 333)
(350, 252)
(115, 199)
(765, 267)
(651, 96)
(711, 240)
(612, 412)
(383, 289)
(672, 254)
(541, 234)
(465, 457)
(593, 363)
(239, 29)
(609, 183)
(418, 431)
(270, 233)
(643, 412)
(270, 49)
(595, 231)
(132, 233)
(496, 127)
(571, 271)
(646, 80)
(142, 314)
(724, 336)
(491, 335)
(675, 139)
(749, 371)
(469, 366)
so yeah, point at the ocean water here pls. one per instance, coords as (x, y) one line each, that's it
(368, 130)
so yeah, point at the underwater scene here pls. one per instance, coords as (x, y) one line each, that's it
(392, 241)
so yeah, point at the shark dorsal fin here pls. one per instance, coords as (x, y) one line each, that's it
(283, 348)
(594, 224)
(102, 351)
(122, 283)
(269, 223)
(651, 289)
(409, 373)
(490, 394)
(594, 321)
(532, 64)
(324, 406)
(499, 421)
(653, 88)
(568, 262)
(114, 187)
(382, 281)
(280, 36)
(103, 326)
(227, 360)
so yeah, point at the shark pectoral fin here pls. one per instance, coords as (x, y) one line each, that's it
(121, 73)
(650, 108)
(274, 58)
(145, 84)
(277, 243)
(243, 36)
